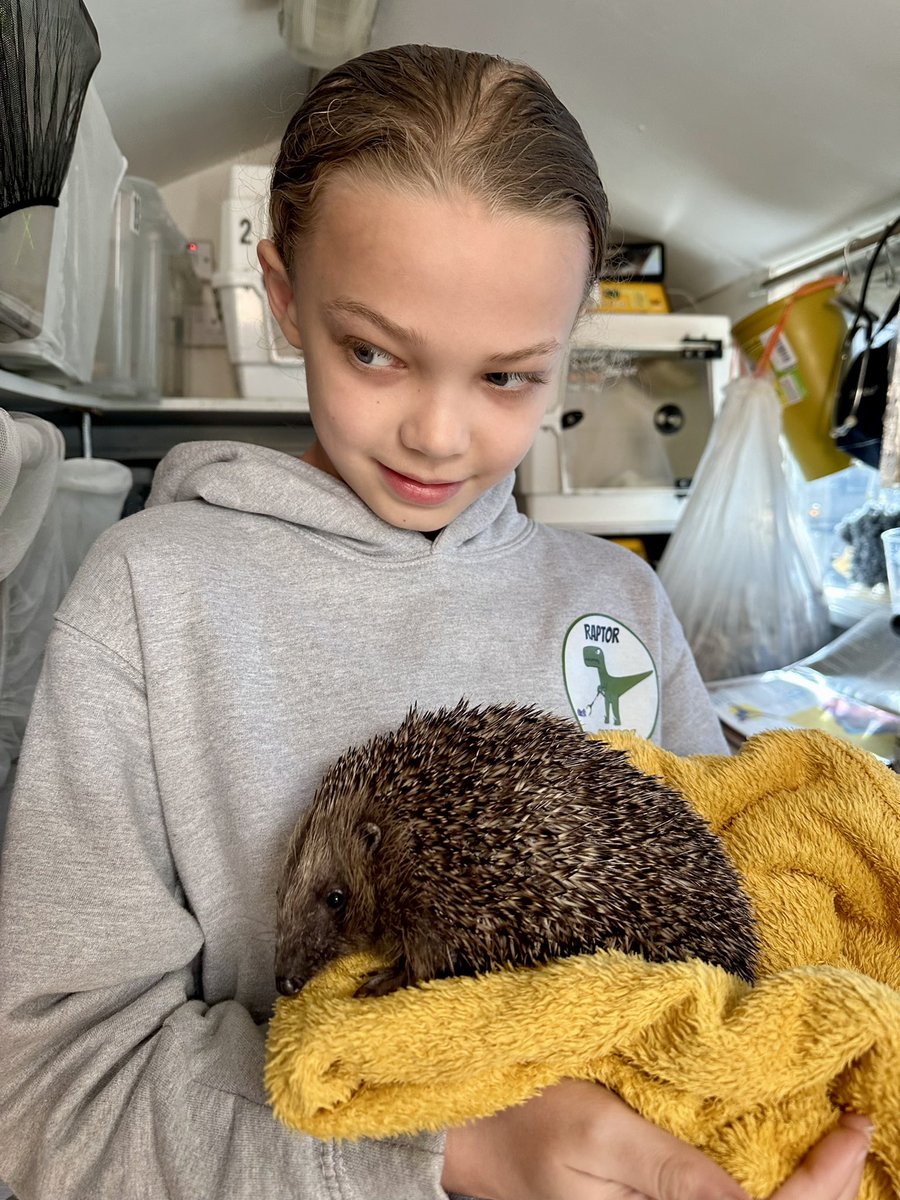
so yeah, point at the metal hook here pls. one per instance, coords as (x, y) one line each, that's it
(891, 275)
(851, 419)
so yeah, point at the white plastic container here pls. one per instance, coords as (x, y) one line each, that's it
(154, 328)
(265, 364)
(90, 493)
(53, 301)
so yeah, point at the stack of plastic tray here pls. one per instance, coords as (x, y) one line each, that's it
(140, 343)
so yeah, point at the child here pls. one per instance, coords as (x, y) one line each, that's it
(438, 222)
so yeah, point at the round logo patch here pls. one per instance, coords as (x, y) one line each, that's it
(611, 680)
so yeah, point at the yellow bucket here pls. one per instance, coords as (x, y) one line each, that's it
(804, 363)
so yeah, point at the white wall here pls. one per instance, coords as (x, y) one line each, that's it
(195, 201)
(736, 300)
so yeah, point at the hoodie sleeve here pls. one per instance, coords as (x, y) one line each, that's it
(117, 1081)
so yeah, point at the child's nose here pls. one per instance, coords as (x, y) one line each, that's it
(435, 424)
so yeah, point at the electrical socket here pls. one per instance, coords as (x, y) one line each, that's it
(201, 254)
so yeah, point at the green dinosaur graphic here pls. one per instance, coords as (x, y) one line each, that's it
(610, 687)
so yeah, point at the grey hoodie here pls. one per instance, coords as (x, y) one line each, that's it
(215, 652)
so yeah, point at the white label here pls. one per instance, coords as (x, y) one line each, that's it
(792, 390)
(610, 677)
(783, 357)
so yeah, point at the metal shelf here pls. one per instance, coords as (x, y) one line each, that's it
(609, 511)
(24, 387)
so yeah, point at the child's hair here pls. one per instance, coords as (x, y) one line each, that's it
(428, 117)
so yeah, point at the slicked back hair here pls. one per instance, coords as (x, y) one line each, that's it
(438, 121)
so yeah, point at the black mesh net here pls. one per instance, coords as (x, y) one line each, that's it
(48, 52)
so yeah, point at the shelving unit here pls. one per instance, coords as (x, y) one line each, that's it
(25, 387)
(139, 429)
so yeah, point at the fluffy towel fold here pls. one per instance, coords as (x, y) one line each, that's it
(752, 1076)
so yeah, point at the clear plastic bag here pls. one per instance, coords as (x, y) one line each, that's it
(739, 568)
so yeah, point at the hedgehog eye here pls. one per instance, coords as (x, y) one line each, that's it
(336, 899)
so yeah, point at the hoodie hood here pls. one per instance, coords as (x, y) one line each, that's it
(256, 479)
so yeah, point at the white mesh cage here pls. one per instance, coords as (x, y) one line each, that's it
(31, 451)
(51, 512)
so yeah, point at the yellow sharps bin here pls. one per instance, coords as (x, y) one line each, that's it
(805, 363)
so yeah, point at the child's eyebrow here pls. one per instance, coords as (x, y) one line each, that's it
(354, 308)
(548, 347)
(344, 305)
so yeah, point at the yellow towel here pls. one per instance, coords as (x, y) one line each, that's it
(753, 1076)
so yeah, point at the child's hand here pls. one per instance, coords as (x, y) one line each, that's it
(833, 1169)
(579, 1141)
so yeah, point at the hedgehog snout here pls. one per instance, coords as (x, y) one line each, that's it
(288, 986)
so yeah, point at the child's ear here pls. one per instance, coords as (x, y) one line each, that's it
(280, 291)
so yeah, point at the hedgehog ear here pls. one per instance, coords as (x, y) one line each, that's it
(371, 836)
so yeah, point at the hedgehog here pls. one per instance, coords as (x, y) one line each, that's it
(472, 838)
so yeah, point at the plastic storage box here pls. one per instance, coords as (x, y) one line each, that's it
(26, 237)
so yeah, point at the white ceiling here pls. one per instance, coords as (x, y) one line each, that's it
(735, 132)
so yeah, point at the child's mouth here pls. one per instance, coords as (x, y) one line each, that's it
(416, 492)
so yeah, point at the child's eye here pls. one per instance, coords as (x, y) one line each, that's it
(515, 381)
(368, 355)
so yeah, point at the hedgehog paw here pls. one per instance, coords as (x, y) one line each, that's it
(389, 979)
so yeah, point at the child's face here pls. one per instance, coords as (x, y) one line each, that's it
(433, 334)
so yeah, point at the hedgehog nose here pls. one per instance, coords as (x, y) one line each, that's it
(287, 987)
